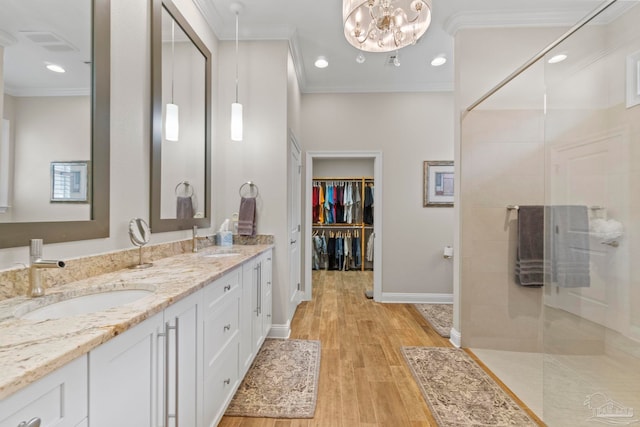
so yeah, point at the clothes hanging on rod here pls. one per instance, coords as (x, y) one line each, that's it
(338, 209)
(367, 216)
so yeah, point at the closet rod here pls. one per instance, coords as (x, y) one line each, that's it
(337, 225)
(350, 178)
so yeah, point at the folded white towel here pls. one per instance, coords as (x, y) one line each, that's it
(605, 229)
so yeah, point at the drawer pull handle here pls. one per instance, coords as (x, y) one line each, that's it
(33, 422)
(227, 288)
(227, 326)
(227, 381)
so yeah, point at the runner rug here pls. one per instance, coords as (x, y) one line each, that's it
(459, 392)
(281, 383)
(439, 316)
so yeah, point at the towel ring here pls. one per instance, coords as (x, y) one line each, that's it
(250, 191)
(186, 192)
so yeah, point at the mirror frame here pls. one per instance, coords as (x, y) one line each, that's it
(159, 224)
(16, 234)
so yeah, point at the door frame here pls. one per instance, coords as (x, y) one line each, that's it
(377, 224)
(294, 301)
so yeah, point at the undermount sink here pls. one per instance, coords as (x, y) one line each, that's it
(80, 304)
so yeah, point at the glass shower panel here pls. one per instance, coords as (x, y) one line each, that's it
(591, 369)
(502, 165)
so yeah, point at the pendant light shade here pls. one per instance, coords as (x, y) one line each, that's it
(236, 107)
(171, 123)
(236, 122)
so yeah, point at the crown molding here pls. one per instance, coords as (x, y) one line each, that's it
(41, 92)
(512, 19)
(296, 55)
(493, 19)
(420, 88)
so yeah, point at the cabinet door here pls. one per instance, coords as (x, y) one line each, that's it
(266, 277)
(59, 399)
(123, 377)
(246, 317)
(257, 306)
(182, 360)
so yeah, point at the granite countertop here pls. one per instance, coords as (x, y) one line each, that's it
(31, 349)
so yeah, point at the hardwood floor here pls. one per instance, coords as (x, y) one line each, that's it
(364, 380)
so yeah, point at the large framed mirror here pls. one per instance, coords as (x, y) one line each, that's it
(55, 108)
(181, 123)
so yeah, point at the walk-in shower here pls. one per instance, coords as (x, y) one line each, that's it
(561, 133)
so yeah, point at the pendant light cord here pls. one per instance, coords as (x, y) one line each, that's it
(173, 60)
(237, 57)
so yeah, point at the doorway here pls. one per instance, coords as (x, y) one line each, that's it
(376, 157)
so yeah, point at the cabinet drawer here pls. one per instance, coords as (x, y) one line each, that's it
(220, 383)
(59, 399)
(221, 325)
(221, 288)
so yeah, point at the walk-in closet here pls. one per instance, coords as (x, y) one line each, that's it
(343, 215)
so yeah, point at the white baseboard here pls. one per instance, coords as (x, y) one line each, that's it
(416, 298)
(456, 337)
(280, 331)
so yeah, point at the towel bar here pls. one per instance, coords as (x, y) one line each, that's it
(513, 208)
(252, 188)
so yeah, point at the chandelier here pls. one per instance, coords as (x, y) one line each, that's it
(385, 25)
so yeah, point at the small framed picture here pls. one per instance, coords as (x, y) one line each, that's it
(438, 184)
(633, 79)
(70, 182)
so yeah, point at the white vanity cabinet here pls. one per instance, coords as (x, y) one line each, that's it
(182, 399)
(178, 368)
(59, 399)
(256, 316)
(222, 317)
(150, 374)
(124, 377)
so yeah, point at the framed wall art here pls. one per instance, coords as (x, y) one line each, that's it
(438, 182)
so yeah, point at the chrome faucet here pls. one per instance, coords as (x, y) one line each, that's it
(36, 263)
(195, 239)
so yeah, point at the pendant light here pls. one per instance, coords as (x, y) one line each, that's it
(172, 123)
(236, 107)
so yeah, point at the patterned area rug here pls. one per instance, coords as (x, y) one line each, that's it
(439, 316)
(459, 392)
(281, 383)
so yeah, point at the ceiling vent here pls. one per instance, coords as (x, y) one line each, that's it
(48, 41)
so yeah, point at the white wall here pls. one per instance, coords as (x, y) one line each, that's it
(262, 156)
(408, 129)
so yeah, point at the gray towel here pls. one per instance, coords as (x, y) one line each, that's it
(568, 235)
(530, 263)
(247, 216)
(184, 207)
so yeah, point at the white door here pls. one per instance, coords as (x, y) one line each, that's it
(295, 189)
(595, 172)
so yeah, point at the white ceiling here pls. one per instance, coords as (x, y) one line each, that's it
(314, 28)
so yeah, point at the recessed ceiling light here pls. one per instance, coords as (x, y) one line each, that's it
(557, 58)
(360, 58)
(439, 60)
(321, 62)
(55, 68)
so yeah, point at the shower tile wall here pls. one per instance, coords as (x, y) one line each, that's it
(502, 164)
